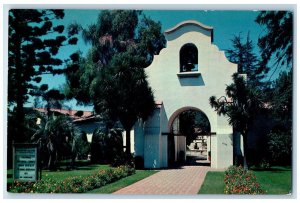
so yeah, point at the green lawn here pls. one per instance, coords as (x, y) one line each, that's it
(110, 188)
(213, 183)
(80, 171)
(277, 180)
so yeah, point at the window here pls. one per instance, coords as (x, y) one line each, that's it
(188, 58)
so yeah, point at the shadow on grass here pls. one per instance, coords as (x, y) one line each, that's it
(76, 168)
(64, 166)
(273, 169)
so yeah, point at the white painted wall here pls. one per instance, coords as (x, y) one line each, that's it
(149, 141)
(177, 92)
(164, 138)
(139, 138)
(224, 151)
(152, 141)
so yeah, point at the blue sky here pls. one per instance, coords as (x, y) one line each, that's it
(226, 24)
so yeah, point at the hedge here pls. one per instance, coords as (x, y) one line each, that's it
(76, 184)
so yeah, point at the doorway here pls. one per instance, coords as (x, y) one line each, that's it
(189, 141)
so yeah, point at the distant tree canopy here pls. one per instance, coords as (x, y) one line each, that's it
(278, 40)
(33, 44)
(282, 99)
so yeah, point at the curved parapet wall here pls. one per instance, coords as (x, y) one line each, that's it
(184, 26)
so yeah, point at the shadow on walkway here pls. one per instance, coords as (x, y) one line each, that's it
(191, 161)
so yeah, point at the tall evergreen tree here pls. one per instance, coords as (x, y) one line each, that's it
(282, 99)
(278, 40)
(112, 77)
(34, 43)
(248, 63)
(277, 45)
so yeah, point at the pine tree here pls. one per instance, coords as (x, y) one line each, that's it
(34, 42)
(248, 63)
(278, 40)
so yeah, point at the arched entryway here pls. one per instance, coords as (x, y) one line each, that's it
(189, 140)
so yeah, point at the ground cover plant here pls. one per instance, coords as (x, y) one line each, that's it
(240, 181)
(76, 184)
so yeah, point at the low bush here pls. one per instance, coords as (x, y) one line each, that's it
(280, 148)
(239, 181)
(123, 159)
(76, 184)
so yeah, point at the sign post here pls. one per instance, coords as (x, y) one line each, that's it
(25, 162)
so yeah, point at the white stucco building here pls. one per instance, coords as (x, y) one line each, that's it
(183, 77)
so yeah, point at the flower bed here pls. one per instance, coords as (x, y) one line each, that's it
(76, 184)
(239, 181)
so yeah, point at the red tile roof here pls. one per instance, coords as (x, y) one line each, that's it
(158, 104)
(68, 112)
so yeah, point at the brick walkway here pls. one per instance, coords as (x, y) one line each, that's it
(184, 181)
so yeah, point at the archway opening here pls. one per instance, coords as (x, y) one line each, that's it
(189, 140)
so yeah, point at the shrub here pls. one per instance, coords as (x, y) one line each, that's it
(123, 159)
(107, 145)
(239, 181)
(264, 164)
(280, 147)
(99, 146)
(82, 146)
(76, 184)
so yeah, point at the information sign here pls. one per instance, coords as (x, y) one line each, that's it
(25, 162)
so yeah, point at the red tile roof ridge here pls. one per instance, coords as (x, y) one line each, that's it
(69, 112)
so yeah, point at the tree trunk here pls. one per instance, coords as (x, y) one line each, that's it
(128, 141)
(52, 156)
(245, 144)
(20, 117)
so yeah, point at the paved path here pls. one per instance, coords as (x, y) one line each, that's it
(184, 181)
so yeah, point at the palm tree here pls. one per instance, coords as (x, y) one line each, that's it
(123, 94)
(240, 106)
(56, 138)
(107, 145)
